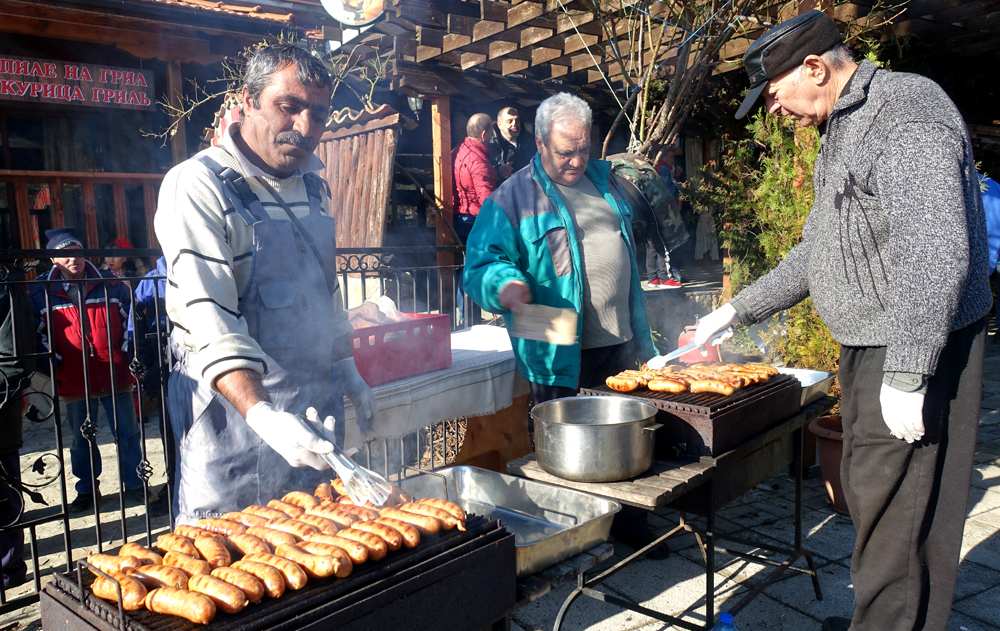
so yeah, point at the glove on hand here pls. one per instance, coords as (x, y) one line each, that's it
(286, 434)
(722, 318)
(365, 403)
(903, 413)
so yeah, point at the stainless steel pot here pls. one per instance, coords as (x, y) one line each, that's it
(594, 439)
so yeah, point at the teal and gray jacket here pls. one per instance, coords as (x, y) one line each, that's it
(524, 232)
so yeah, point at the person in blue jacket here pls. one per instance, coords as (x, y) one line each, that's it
(991, 204)
(559, 234)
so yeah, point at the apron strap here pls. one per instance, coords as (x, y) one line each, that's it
(236, 190)
(316, 187)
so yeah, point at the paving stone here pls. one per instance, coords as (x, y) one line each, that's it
(748, 515)
(778, 506)
(986, 475)
(990, 518)
(983, 606)
(586, 613)
(992, 401)
(982, 500)
(992, 386)
(980, 544)
(797, 592)
(826, 535)
(767, 614)
(988, 417)
(961, 622)
(973, 579)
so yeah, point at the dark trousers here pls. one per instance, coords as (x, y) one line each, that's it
(908, 501)
(11, 543)
(596, 365)
(463, 226)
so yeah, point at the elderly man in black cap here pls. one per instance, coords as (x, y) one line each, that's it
(894, 181)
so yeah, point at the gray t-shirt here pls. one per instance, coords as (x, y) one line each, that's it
(604, 260)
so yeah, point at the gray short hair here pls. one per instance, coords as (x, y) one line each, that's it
(270, 59)
(837, 58)
(559, 108)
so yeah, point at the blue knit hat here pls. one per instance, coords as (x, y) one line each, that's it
(60, 238)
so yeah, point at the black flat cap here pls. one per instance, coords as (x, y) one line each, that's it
(785, 47)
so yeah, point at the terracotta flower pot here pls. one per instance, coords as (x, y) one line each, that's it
(830, 436)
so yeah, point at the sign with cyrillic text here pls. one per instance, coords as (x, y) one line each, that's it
(71, 83)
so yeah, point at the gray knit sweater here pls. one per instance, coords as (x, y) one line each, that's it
(894, 251)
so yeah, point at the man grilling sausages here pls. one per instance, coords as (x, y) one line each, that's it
(895, 181)
(259, 328)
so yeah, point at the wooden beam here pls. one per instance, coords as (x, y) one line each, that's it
(90, 215)
(175, 92)
(510, 66)
(149, 207)
(521, 13)
(21, 204)
(533, 34)
(441, 159)
(121, 210)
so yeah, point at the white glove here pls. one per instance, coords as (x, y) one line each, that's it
(903, 413)
(722, 318)
(286, 434)
(360, 394)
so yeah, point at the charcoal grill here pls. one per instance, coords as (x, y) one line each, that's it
(455, 580)
(705, 424)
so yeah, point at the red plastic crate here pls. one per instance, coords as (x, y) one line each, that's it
(426, 347)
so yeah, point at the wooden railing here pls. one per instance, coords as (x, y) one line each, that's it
(29, 192)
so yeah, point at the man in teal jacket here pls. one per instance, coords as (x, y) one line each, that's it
(558, 233)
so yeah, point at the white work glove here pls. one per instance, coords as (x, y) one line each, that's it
(360, 394)
(286, 434)
(903, 412)
(722, 318)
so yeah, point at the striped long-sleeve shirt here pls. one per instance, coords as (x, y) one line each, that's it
(208, 249)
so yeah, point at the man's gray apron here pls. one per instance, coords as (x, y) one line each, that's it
(222, 464)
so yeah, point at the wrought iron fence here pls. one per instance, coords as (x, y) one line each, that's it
(103, 349)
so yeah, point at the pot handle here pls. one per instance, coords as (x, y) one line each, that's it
(652, 428)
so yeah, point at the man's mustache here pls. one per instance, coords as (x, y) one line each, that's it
(295, 138)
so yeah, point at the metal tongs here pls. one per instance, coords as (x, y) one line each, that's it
(661, 360)
(362, 485)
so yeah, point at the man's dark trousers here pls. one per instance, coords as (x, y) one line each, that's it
(908, 502)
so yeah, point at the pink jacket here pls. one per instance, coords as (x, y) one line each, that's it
(474, 176)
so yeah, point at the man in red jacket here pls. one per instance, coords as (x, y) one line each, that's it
(474, 180)
(86, 360)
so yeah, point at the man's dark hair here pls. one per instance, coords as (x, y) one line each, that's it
(265, 62)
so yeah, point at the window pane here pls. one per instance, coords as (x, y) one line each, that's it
(40, 203)
(27, 143)
(104, 203)
(136, 209)
(6, 208)
(73, 208)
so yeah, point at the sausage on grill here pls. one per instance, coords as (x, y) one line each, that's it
(393, 540)
(214, 551)
(226, 597)
(295, 577)
(195, 607)
(110, 563)
(324, 524)
(274, 537)
(665, 384)
(411, 536)
(447, 519)
(301, 499)
(315, 565)
(273, 581)
(249, 544)
(194, 532)
(293, 527)
(145, 555)
(324, 490)
(263, 511)
(169, 542)
(246, 519)
(377, 547)
(343, 519)
(426, 525)
(244, 581)
(153, 576)
(222, 526)
(451, 507)
(362, 512)
(290, 510)
(187, 563)
(133, 592)
(325, 549)
(711, 385)
(355, 550)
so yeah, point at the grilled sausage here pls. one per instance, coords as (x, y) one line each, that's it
(341, 518)
(295, 577)
(271, 578)
(338, 486)
(323, 491)
(410, 535)
(197, 608)
(346, 499)
(355, 550)
(301, 499)
(315, 565)
(361, 512)
(249, 544)
(426, 525)
(290, 510)
(446, 518)
(222, 526)
(712, 385)
(187, 563)
(226, 597)
(665, 384)
(293, 527)
(145, 555)
(213, 551)
(323, 524)
(273, 537)
(133, 592)
(377, 547)
(153, 576)
(246, 519)
(194, 532)
(263, 511)
(451, 507)
(110, 563)
(169, 542)
(393, 540)
(244, 581)
(622, 384)
(325, 549)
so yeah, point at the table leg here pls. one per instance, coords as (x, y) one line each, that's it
(710, 559)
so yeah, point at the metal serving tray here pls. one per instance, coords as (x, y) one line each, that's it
(550, 523)
(815, 383)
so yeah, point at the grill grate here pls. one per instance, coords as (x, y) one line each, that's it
(704, 403)
(269, 613)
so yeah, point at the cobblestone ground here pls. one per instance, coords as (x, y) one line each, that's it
(674, 585)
